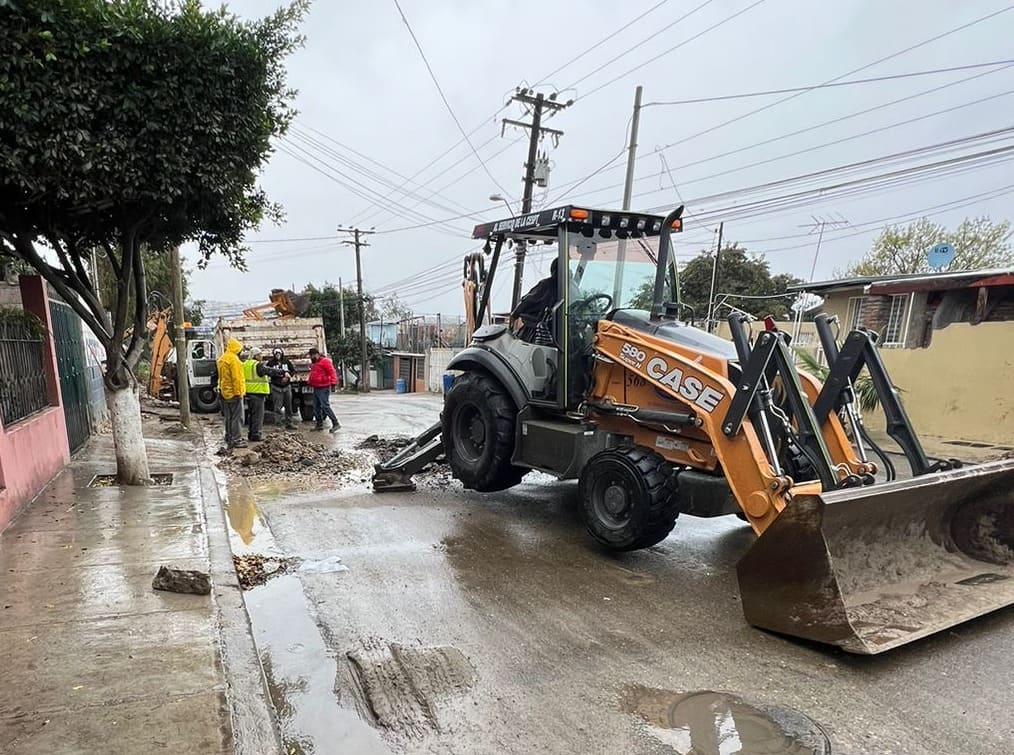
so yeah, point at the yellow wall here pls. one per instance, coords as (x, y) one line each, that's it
(961, 386)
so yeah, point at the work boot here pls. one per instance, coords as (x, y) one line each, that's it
(318, 428)
(238, 444)
(256, 439)
(335, 426)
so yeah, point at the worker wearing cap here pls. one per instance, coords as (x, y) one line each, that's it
(258, 385)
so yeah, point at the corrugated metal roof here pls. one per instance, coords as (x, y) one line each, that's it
(885, 279)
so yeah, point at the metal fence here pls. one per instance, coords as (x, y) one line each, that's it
(22, 375)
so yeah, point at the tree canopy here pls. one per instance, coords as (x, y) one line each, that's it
(740, 274)
(130, 125)
(979, 243)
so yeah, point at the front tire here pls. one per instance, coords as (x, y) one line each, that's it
(629, 498)
(478, 425)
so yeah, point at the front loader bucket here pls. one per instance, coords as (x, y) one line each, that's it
(869, 569)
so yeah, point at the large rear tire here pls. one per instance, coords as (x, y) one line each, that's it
(629, 498)
(478, 424)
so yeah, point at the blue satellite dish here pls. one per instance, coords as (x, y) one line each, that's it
(940, 256)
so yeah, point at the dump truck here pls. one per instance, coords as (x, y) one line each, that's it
(286, 329)
(656, 419)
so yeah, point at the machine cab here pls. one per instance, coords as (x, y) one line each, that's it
(606, 265)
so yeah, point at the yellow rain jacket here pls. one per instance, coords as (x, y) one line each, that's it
(231, 380)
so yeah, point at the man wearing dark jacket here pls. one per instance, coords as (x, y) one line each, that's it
(281, 387)
(322, 378)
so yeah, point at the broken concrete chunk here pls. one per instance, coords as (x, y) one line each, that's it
(181, 580)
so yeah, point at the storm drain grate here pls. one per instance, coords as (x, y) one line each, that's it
(110, 481)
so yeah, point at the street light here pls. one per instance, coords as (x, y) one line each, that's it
(500, 198)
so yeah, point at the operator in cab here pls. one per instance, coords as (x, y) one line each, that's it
(531, 318)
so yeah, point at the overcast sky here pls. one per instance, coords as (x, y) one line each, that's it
(363, 83)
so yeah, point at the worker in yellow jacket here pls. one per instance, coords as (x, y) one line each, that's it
(231, 390)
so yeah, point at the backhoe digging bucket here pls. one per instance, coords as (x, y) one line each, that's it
(869, 569)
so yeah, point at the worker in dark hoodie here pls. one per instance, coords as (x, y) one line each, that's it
(281, 388)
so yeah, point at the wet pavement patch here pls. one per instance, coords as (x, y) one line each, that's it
(721, 723)
(405, 686)
(112, 481)
(254, 569)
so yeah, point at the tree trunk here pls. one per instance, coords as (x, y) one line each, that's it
(128, 438)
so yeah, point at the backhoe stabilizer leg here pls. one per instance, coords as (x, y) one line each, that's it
(395, 474)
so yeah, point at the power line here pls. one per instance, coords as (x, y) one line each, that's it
(878, 61)
(782, 100)
(637, 45)
(672, 49)
(447, 104)
(813, 87)
(831, 143)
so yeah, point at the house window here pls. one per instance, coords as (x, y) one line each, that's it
(854, 318)
(894, 334)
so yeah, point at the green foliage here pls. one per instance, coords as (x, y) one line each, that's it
(140, 117)
(346, 349)
(22, 320)
(392, 309)
(739, 273)
(130, 123)
(326, 302)
(866, 392)
(979, 244)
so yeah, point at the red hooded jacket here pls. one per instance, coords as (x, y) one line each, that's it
(322, 374)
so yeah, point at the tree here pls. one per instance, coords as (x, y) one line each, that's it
(979, 243)
(347, 350)
(128, 125)
(158, 281)
(739, 274)
(326, 303)
(392, 309)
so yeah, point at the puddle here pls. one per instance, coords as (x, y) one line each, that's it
(248, 534)
(301, 675)
(719, 723)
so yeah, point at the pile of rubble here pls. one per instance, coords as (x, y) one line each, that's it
(291, 455)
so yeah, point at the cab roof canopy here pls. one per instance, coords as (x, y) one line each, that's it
(544, 224)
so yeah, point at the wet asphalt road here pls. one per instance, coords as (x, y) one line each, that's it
(471, 623)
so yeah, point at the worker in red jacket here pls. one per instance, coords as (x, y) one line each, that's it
(322, 378)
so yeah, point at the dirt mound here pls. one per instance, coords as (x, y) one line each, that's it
(291, 455)
(384, 446)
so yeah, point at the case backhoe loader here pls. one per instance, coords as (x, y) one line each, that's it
(656, 418)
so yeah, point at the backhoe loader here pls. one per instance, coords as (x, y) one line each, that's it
(656, 418)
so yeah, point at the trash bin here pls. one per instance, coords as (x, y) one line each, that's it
(448, 381)
(400, 386)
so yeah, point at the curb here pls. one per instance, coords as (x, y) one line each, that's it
(254, 730)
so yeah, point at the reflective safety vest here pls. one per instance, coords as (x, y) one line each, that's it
(255, 383)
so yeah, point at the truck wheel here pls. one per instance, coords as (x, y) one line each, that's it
(204, 400)
(629, 498)
(478, 428)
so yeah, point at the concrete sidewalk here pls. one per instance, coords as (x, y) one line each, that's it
(97, 661)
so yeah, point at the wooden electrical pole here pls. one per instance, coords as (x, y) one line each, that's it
(364, 364)
(714, 281)
(537, 104)
(179, 317)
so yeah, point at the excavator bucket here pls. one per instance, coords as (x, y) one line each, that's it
(869, 569)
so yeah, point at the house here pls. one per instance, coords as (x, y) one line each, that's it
(34, 439)
(906, 309)
(947, 340)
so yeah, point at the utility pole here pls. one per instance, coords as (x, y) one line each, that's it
(628, 189)
(714, 280)
(536, 104)
(364, 365)
(179, 316)
(341, 323)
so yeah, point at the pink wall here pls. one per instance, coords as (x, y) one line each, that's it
(33, 450)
